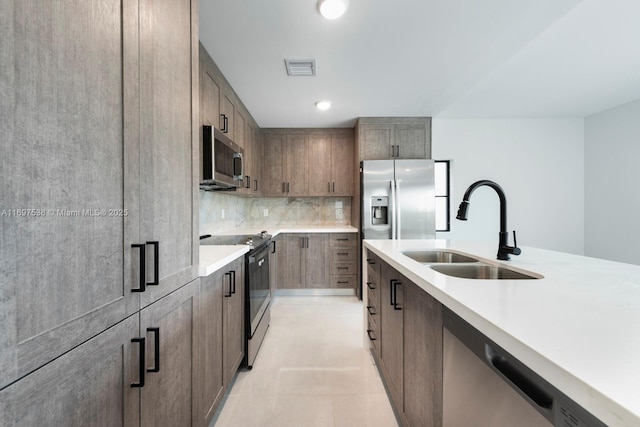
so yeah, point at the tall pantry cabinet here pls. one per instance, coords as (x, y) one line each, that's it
(99, 166)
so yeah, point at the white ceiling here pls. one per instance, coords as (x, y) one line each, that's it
(440, 58)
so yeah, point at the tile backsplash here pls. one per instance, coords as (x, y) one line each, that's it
(223, 212)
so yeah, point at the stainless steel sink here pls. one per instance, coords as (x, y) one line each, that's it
(481, 271)
(436, 256)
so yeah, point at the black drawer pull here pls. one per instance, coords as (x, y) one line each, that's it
(394, 293)
(369, 333)
(342, 253)
(369, 307)
(141, 361)
(156, 351)
(341, 239)
(369, 285)
(343, 268)
(343, 282)
(370, 261)
(233, 289)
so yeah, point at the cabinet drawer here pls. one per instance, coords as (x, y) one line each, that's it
(347, 240)
(372, 298)
(344, 268)
(373, 331)
(343, 254)
(343, 282)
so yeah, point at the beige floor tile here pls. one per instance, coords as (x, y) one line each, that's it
(312, 370)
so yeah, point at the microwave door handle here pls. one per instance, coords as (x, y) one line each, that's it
(393, 208)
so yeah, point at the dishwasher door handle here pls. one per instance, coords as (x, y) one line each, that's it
(520, 379)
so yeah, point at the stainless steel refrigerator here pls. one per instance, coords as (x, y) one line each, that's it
(398, 199)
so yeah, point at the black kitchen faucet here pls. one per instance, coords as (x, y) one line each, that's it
(503, 244)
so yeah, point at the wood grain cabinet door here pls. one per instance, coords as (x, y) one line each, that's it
(234, 331)
(391, 332)
(88, 386)
(169, 143)
(295, 165)
(168, 326)
(69, 176)
(422, 358)
(316, 260)
(413, 141)
(342, 152)
(319, 165)
(290, 261)
(208, 348)
(376, 142)
(273, 179)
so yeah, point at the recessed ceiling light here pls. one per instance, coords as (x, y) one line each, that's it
(323, 105)
(332, 9)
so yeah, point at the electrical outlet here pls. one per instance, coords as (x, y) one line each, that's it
(265, 212)
(222, 214)
(339, 213)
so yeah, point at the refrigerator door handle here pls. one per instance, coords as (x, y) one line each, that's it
(393, 208)
(398, 212)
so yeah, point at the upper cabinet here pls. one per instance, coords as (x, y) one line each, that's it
(308, 162)
(220, 107)
(394, 138)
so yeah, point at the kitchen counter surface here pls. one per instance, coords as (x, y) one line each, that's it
(274, 230)
(214, 257)
(578, 327)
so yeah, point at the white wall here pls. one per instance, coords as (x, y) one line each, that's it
(538, 162)
(612, 184)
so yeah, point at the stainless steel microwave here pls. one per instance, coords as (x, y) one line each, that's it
(221, 161)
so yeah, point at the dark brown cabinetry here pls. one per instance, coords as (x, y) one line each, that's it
(308, 162)
(394, 138)
(304, 261)
(91, 124)
(408, 346)
(343, 260)
(219, 346)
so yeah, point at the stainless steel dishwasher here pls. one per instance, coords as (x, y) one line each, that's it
(484, 386)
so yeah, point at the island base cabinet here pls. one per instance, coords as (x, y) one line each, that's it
(422, 358)
(88, 386)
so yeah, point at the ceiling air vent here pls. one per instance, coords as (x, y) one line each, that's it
(300, 67)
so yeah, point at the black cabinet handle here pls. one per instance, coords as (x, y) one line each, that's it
(274, 247)
(141, 361)
(369, 286)
(341, 239)
(392, 148)
(369, 307)
(287, 187)
(225, 123)
(343, 282)
(343, 268)
(370, 261)
(342, 253)
(156, 351)
(248, 183)
(284, 187)
(334, 187)
(369, 333)
(394, 289)
(156, 263)
(397, 151)
(255, 185)
(228, 295)
(143, 268)
(307, 243)
(233, 274)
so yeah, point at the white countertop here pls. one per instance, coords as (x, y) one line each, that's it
(214, 257)
(274, 230)
(578, 327)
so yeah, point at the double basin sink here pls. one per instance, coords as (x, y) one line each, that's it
(463, 266)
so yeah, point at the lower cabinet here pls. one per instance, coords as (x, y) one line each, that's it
(136, 373)
(317, 261)
(220, 331)
(304, 261)
(273, 265)
(409, 346)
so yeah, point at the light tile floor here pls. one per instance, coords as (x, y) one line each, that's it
(312, 370)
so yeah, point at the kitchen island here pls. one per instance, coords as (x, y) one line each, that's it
(578, 326)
